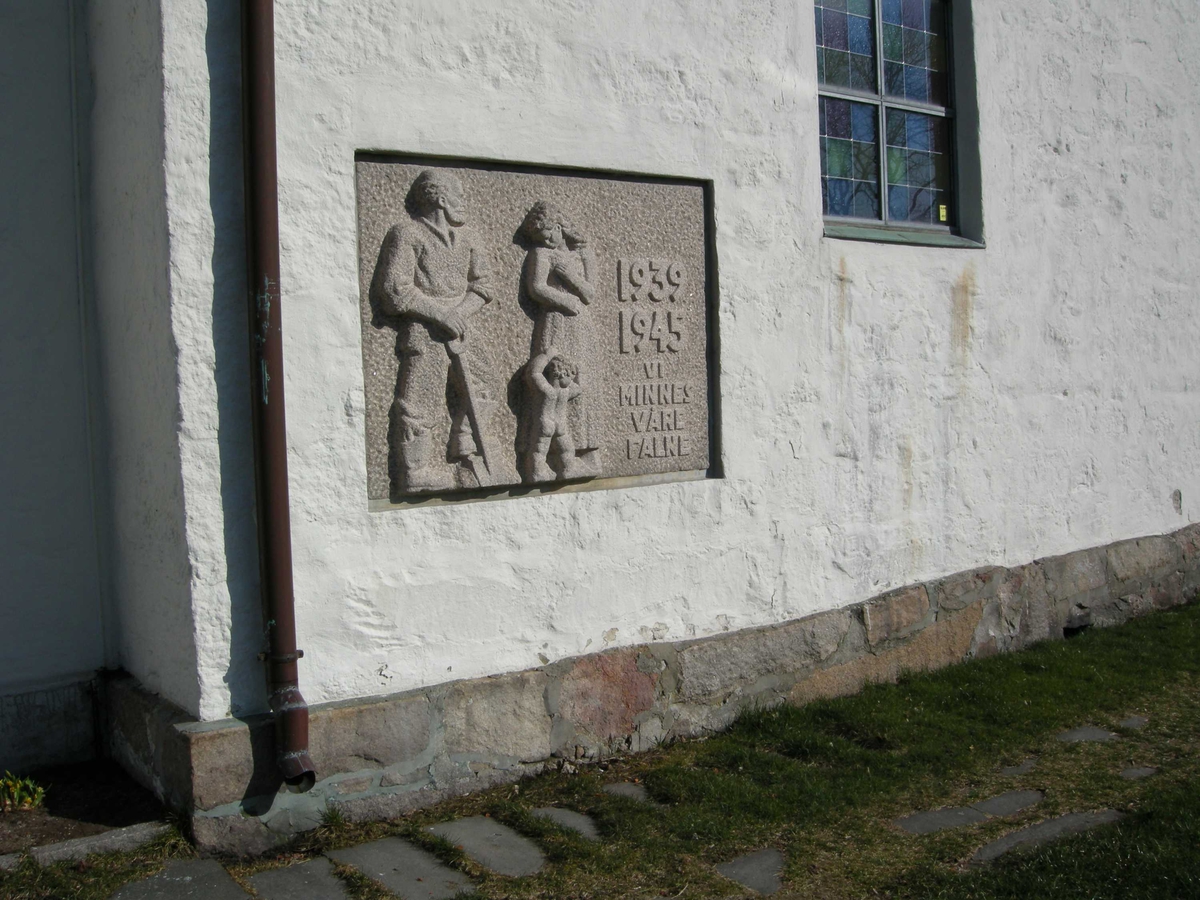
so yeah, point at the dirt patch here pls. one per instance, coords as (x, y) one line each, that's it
(81, 800)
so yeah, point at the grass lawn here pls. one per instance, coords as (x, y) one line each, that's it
(824, 782)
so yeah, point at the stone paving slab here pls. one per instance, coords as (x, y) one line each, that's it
(407, 871)
(1085, 734)
(492, 845)
(1042, 833)
(1133, 723)
(129, 838)
(630, 791)
(1023, 768)
(9, 861)
(313, 880)
(1009, 803)
(940, 819)
(1137, 773)
(758, 871)
(185, 879)
(569, 818)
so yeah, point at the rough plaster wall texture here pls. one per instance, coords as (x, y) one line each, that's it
(889, 413)
(138, 348)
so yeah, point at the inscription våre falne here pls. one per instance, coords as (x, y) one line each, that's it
(528, 328)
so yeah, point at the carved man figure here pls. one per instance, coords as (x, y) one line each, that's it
(432, 277)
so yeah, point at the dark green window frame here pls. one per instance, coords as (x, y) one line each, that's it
(960, 113)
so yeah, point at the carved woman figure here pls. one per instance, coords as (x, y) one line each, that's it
(557, 279)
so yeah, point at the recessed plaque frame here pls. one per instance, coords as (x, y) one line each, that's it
(529, 329)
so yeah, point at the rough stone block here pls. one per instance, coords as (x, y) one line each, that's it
(231, 760)
(354, 785)
(350, 737)
(1143, 558)
(117, 840)
(499, 717)
(942, 643)
(897, 615)
(1188, 539)
(143, 737)
(1021, 614)
(716, 666)
(234, 835)
(959, 591)
(602, 695)
(1075, 573)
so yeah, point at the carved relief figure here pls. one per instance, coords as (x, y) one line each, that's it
(554, 383)
(557, 279)
(431, 279)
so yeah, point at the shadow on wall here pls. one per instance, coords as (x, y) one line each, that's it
(245, 676)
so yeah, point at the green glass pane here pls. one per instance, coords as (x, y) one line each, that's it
(864, 162)
(862, 72)
(897, 166)
(821, 66)
(862, 7)
(897, 130)
(893, 43)
(837, 68)
(915, 48)
(838, 158)
(920, 169)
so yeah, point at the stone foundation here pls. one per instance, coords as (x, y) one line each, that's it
(46, 727)
(385, 756)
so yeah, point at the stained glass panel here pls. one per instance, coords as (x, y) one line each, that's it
(914, 48)
(908, 177)
(849, 158)
(918, 168)
(845, 32)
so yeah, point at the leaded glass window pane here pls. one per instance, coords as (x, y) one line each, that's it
(846, 44)
(904, 174)
(918, 168)
(914, 50)
(849, 158)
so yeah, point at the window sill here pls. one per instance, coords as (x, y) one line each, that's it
(913, 236)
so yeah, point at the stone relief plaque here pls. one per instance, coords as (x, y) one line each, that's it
(524, 328)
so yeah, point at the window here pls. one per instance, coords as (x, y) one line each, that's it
(891, 135)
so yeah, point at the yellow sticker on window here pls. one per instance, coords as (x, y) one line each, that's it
(942, 212)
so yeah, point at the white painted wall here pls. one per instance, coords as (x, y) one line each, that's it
(140, 319)
(865, 447)
(51, 599)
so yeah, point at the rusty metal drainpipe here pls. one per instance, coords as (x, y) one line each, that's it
(270, 433)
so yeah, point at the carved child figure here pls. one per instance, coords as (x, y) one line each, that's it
(554, 383)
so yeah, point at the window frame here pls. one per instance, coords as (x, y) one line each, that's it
(962, 114)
